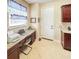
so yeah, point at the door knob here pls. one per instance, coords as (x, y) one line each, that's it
(51, 26)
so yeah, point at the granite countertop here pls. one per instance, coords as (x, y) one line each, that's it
(65, 31)
(27, 33)
(66, 28)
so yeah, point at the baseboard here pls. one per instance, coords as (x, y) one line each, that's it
(46, 38)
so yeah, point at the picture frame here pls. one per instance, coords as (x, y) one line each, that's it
(32, 20)
(39, 19)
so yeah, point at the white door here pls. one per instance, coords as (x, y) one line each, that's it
(47, 23)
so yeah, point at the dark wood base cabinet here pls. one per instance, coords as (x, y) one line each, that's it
(13, 52)
(66, 40)
(14, 55)
(33, 37)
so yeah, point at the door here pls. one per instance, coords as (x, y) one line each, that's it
(47, 23)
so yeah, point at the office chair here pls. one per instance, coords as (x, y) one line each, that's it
(26, 45)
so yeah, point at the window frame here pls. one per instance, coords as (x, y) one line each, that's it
(16, 14)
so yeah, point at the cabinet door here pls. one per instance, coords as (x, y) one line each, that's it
(33, 37)
(67, 41)
(66, 13)
(14, 55)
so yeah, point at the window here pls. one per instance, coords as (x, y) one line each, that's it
(17, 13)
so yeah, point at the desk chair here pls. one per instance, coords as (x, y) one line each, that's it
(26, 45)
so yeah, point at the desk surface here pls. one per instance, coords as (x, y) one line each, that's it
(27, 33)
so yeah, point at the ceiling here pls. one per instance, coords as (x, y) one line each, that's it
(38, 1)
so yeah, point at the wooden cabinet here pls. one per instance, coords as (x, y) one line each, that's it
(66, 40)
(33, 37)
(13, 53)
(66, 13)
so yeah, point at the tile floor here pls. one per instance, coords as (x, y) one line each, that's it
(46, 49)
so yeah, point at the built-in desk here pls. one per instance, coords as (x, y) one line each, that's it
(13, 48)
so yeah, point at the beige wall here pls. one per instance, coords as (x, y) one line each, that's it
(35, 14)
(16, 28)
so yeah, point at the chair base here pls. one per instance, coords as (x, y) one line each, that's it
(23, 47)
